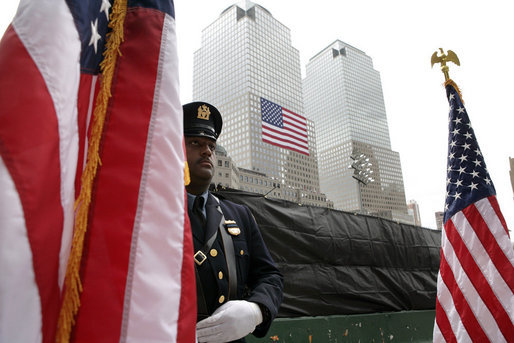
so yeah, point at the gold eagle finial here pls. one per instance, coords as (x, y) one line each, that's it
(443, 58)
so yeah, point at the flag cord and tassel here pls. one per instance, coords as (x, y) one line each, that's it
(72, 283)
(454, 85)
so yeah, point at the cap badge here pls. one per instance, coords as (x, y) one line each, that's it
(203, 112)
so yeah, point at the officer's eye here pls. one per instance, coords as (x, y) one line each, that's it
(194, 143)
(212, 147)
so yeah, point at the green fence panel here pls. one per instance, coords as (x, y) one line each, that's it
(405, 326)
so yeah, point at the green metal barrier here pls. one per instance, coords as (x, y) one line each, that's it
(405, 326)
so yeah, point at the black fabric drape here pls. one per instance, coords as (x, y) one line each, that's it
(336, 262)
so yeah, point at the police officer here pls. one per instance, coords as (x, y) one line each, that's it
(239, 288)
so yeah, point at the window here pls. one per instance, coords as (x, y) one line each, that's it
(220, 163)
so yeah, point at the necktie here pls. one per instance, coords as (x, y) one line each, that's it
(197, 210)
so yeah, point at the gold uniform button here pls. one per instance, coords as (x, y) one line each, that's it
(220, 275)
(221, 299)
(242, 252)
(213, 252)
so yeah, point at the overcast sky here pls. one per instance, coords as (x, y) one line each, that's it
(400, 36)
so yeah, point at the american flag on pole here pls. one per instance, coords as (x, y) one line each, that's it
(138, 249)
(475, 299)
(284, 128)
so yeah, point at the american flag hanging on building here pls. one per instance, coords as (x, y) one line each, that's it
(284, 128)
(139, 250)
(475, 299)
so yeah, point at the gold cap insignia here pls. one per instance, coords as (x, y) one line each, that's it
(204, 112)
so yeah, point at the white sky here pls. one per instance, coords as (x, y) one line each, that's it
(400, 36)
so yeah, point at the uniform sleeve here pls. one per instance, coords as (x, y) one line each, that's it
(264, 279)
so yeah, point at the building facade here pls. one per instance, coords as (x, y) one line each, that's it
(343, 96)
(228, 175)
(246, 55)
(511, 172)
(439, 217)
(413, 209)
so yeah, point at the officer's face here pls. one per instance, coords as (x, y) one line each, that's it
(201, 160)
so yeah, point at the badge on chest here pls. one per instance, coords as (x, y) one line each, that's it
(232, 227)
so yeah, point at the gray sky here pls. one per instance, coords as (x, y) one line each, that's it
(400, 36)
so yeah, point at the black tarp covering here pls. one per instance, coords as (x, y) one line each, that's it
(337, 262)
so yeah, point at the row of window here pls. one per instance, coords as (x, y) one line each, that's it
(220, 163)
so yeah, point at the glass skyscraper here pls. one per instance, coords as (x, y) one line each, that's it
(343, 96)
(245, 55)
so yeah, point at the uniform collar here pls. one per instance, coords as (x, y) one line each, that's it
(191, 199)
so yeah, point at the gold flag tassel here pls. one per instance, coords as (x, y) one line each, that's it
(452, 83)
(72, 283)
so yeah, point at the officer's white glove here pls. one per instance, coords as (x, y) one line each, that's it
(231, 321)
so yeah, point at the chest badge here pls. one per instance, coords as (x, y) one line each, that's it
(232, 227)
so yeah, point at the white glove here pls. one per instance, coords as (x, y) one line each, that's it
(231, 321)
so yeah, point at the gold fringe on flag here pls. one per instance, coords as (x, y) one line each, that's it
(452, 83)
(72, 283)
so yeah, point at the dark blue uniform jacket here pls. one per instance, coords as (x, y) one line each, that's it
(258, 279)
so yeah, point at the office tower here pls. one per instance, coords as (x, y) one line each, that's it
(413, 209)
(343, 96)
(245, 58)
(439, 216)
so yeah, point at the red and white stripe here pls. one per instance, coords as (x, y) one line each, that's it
(292, 136)
(158, 306)
(138, 250)
(39, 68)
(475, 286)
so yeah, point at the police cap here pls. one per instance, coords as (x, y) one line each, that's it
(202, 120)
